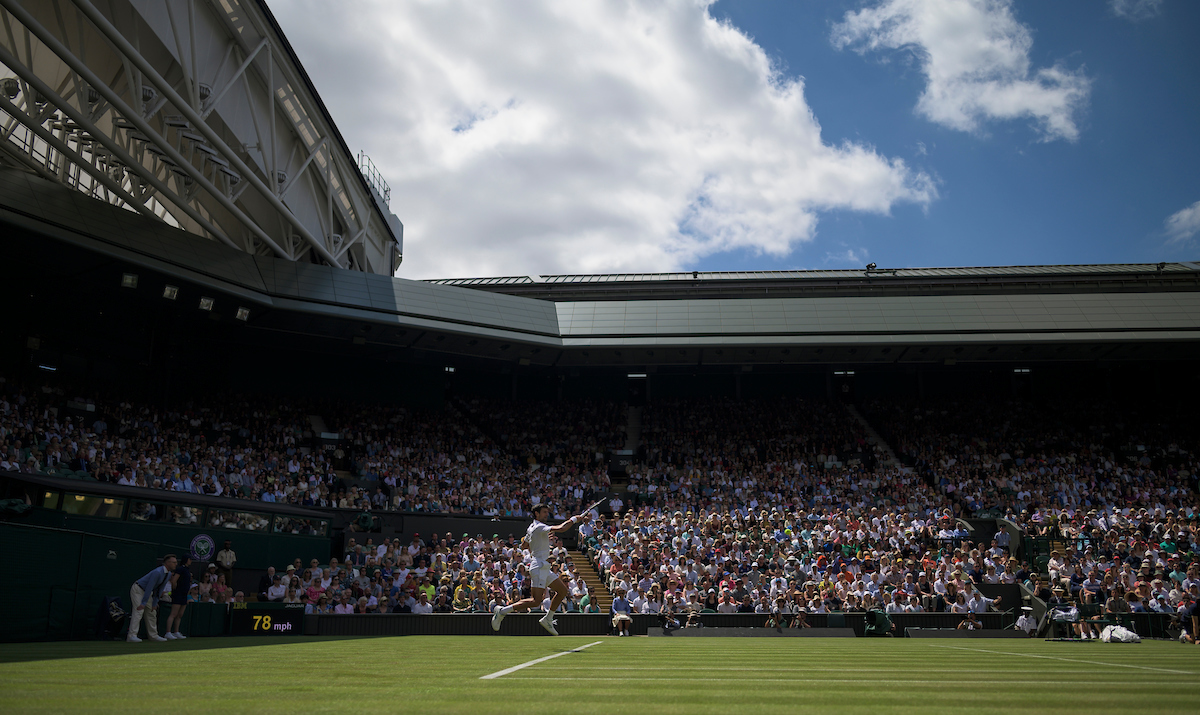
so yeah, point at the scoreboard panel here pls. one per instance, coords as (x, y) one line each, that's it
(266, 619)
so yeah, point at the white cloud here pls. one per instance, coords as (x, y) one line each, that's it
(1136, 10)
(855, 257)
(1183, 224)
(975, 57)
(584, 136)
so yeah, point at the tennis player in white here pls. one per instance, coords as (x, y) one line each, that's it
(541, 575)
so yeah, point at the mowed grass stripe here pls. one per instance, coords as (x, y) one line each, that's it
(701, 675)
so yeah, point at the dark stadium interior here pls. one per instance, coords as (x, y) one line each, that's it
(69, 303)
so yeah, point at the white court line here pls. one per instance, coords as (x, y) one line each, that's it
(1069, 660)
(1097, 683)
(793, 669)
(515, 668)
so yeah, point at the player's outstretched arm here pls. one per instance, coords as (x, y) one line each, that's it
(568, 524)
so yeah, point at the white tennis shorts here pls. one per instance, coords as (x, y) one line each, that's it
(542, 576)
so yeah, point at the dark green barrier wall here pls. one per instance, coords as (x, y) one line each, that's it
(255, 550)
(199, 619)
(579, 624)
(59, 577)
(63, 575)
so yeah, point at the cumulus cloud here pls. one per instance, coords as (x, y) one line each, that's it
(546, 136)
(1182, 225)
(975, 58)
(1136, 10)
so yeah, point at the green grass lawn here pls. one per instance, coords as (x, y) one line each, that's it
(656, 675)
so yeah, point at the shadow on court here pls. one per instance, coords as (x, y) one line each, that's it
(65, 650)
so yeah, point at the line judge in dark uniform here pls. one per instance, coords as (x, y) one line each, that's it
(181, 583)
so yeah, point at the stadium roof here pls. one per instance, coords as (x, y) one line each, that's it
(816, 283)
(972, 272)
(909, 315)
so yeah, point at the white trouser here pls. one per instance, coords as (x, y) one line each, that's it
(135, 617)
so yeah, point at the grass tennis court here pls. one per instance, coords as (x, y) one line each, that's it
(694, 675)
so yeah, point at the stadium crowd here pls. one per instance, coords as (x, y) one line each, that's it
(264, 450)
(768, 506)
(438, 574)
(1009, 456)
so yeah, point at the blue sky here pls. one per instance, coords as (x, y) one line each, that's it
(1005, 196)
(536, 136)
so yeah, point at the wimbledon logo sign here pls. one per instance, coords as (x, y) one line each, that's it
(202, 548)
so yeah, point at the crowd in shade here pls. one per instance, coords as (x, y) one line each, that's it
(429, 461)
(791, 453)
(569, 436)
(388, 458)
(723, 455)
(1007, 456)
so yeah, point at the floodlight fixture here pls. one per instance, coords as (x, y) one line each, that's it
(449, 368)
(636, 375)
(170, 292)
(206, 303)
(11, 87)
(129, 280)
(1022, 370)
(243, 314)
(871, 266)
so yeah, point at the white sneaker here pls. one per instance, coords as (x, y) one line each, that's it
(133, 639)
(498, 615)
(548, 623)
(158, 638)
(178, 635)
(170, 636)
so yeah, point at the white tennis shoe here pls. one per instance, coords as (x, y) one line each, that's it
(498, 615)
(548, 623)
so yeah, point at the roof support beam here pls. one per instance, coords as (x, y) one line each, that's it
(200, 125)
(78, 117)
(292, 179)
(77, 158)
(218, 96)
(143, 126)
